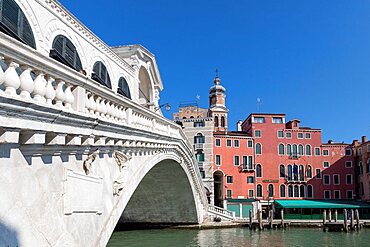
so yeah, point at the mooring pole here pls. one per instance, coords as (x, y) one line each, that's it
(357, 219)
(345, 223)
(329, 214)
(260, 225)
(324, 217)
(352, 220)
(336, 215)
(250, 219)
(282, 218)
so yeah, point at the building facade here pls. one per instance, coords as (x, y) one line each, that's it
(269, 157)
(361, 153)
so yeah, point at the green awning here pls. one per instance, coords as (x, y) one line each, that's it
(239, 200)
(345, 204)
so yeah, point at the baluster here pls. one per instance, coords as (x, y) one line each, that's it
(87, 102)
(2, 75)
(98, 106)
(69, 97)
(50, 91)
(109, 110)
(40, 88)
(12, 81)
(92, 104)
(59, 94)
(27, 83)
(104, 109)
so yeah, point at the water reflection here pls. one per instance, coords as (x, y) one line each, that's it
(238, 237)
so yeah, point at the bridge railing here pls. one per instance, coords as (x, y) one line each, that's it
(221, 212)
(29, 76)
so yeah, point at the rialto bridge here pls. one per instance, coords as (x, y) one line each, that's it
(83, 143)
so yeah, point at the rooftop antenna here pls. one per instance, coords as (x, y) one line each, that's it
(258, 104)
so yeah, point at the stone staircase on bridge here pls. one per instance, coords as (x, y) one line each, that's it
(224, 214)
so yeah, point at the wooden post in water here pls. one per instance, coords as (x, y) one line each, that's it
(352, 220)
(271, 218)
(345, 223)
(357, 219)
(329, 214)
(324, 217)
(260, 225)
(250, 219)
(336, 215)
(282, 218)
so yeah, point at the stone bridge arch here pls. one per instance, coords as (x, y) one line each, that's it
(159, 190)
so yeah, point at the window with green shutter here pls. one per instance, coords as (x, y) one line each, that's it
(100, 74)
(123, 88)
(65, 52)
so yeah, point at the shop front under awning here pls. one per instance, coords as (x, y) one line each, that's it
(324, 204)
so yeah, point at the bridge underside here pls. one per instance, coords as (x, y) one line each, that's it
(164, 196)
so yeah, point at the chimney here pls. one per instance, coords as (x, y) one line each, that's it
(239, 125)
(355, 143)
(363, 139)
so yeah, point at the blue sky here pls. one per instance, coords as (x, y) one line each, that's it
(309, 59)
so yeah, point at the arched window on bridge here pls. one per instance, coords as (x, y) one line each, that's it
(282, 190)
(258, 171)
(14, 23)
(100, 74)
(65, 52)
(259, 190)
(123, 88)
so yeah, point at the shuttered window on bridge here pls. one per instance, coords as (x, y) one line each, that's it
(123, 88)
(65, 52)
(14, 23)
(100, 74)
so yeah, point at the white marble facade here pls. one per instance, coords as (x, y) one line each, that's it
(73, 152)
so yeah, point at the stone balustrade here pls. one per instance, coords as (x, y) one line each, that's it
(32, 77)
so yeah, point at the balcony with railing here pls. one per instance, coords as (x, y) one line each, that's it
(248, 167)
(294, 156)
(198, 146)
(295, 179)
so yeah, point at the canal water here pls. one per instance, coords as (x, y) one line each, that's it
(238, 237)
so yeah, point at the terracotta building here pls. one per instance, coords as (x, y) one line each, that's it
(361, 152)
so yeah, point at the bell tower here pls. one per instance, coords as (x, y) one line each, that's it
(217, 108)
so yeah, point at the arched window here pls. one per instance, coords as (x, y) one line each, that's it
(296, 191)
(123, 88)
(14, 23)
(308, 149)
(258, 171)
(302, 191)
(222, 121)
(65, 52)
(281, 149)
(199, 138)
(360, 168)
(309, 191)
(258, 148)
(271, 190)
(259, 190)
(199, 156)
(282, 190)
(100, 74)
(295, 172)
(282, 171)
(300, 149)
(290, 172)
(295, 150)
(309, 171)
(216, 121)
(368, 166)
(301, 173)
(290, 191)
(289, 149)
